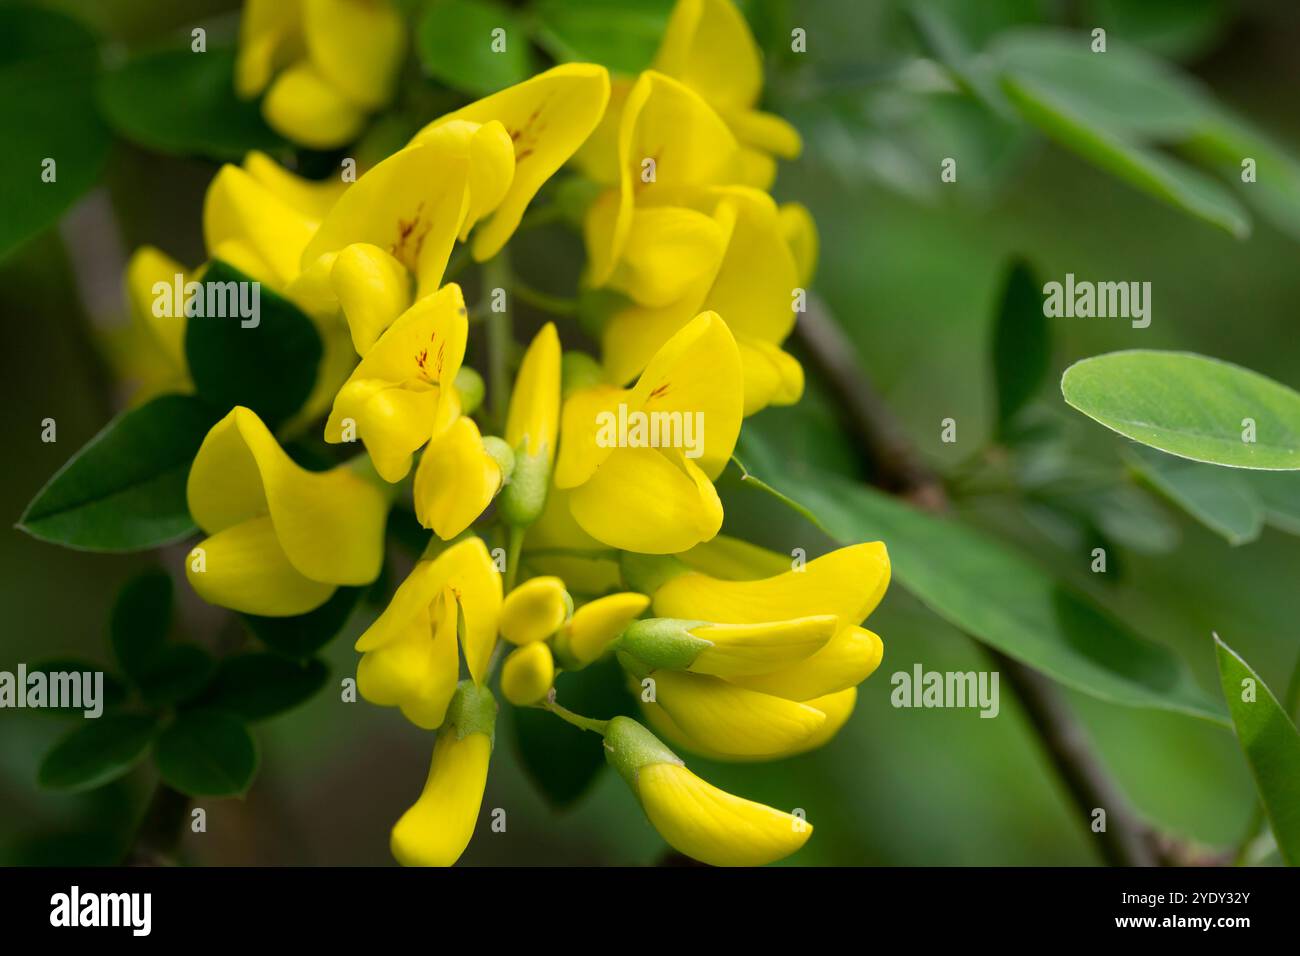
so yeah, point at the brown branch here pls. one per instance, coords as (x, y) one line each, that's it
(897, 467)
(159, 835)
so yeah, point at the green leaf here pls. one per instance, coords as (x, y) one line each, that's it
(1219, 498)
(1009, 603)
(1271, 744)
(269, 367)
(622, 35)
(454, 41)
(1191, 406)
(114, 691)
(174, 674)
(184, 103)
(141, 618)
(1279, 493)
(561, 760)
(302, 636)
(258, 685)
(206, 753)
(125, 490)
(1152, 172)
(1022, 344)
(1173, 28)
(1225, 141)
(47, 111)
(92, 755)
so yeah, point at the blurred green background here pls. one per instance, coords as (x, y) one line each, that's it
(914, 272)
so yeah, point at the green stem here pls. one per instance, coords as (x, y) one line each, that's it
(554, 304)
(500, 337)
(577, 720)
(513, 551)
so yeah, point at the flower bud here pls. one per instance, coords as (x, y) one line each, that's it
(595, 626)
(692, 815)
(528, 673)
(535, 610)
(470, 387)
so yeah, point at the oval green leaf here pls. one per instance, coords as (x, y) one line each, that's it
(622, 35)
(1191, 406)
(302, 636)
(268, 365)
(206, 753)
(125, 489)
(1271, 744)
(184, 103)
(260, 685)
(1220, 498)
(455, 42)
(92, 755)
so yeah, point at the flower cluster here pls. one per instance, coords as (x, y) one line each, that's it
(610, 547)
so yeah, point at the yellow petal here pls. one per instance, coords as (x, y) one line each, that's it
(764, 132)
(245, 569)
(312, 198)
(305, 107)
(598, 157)
(330, 524)
(848, 658)
(267, 34)
(698, 372)
(411, 205)
(436, 830)
(581, 452)
(582, 575)
(400, 394)
(373, 289)
(734, 559)
(419, 671)
(534, 417)
(713, 826)
(535, 610)
(801, 236)
(467, 569)
(734, 720)
(643, 500)
(848, 582)
(456, 480)
(146, 272)
(240, 210)
(668, 249)
(708, 46)
(547, 117)
(596, 624)
(357, 46)
(772, 377)
(742, 649)
(527, 674)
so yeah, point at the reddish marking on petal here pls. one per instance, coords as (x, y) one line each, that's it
(660, 391)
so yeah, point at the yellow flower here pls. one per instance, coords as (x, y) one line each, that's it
(726, 650)
(709, 47)
(750, 280)
(532, 426)
(535, 610)
(281, 538)
(328, 63)
(410, 651)
(847, 584)
(151, 348)
(546, 118)
(436, 830)
(596, 625)
(631, 495)
(456, 479)
(401, 394)
(372, 289)
(692, 815)
(249, 225)
(527, 674)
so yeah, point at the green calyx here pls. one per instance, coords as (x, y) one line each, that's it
(502, 455)
(629, 747)
(473, 710)
(470, 388)
(521, 501)
(663, 642)
(579, 370)
(647, 573)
